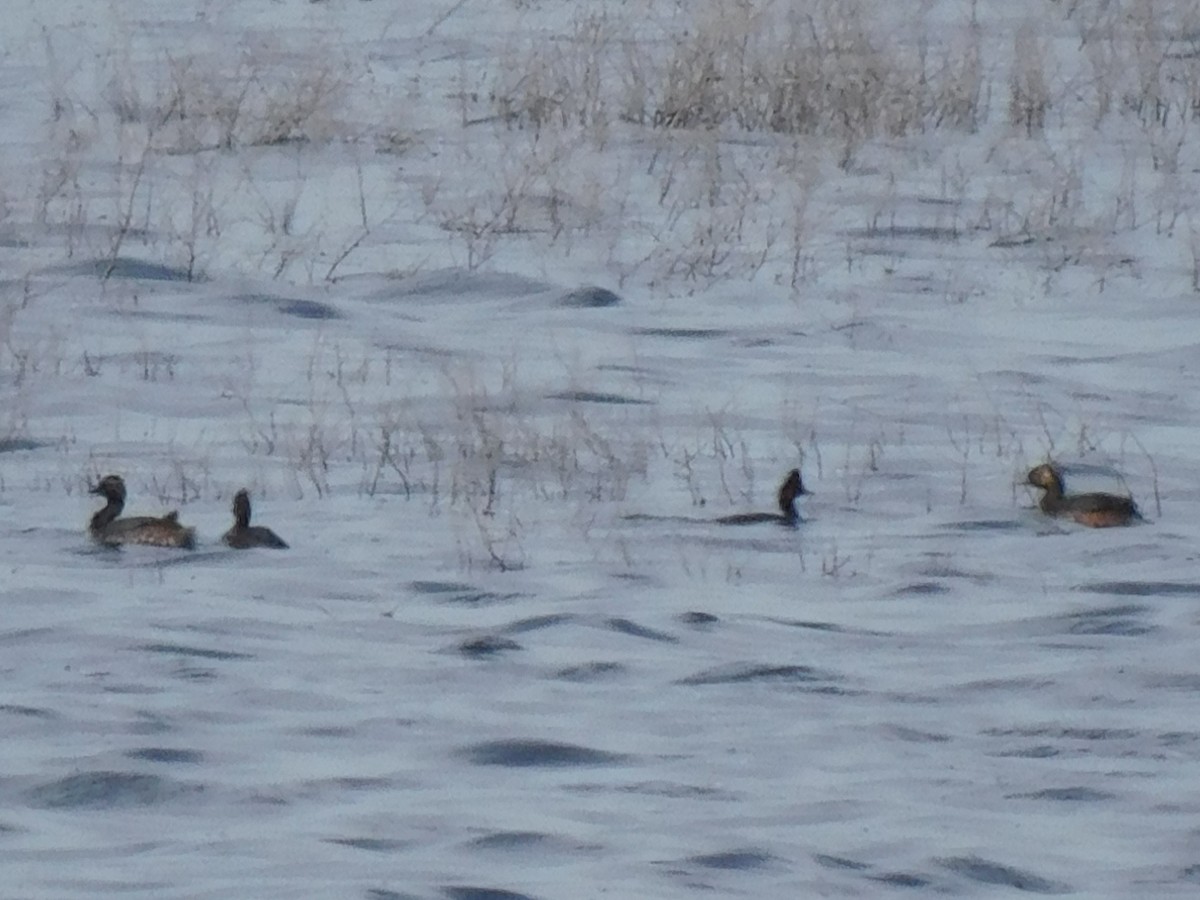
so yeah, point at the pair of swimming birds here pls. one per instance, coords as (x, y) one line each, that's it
(1095, 510)
(108, 528)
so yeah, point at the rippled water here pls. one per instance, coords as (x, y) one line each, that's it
(510, 654)
(926, 687)
(213, 726)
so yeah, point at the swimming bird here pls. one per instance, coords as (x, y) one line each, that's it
(243, 535)
(1094, 510)
(107, 528)
(791, 489)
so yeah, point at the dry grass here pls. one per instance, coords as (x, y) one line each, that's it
(825, 70)
(689, 137)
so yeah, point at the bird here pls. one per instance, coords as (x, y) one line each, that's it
(243, 535)
(107, 528)
(1094, 510)
(791, 489)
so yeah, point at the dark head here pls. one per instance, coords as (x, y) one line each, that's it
(241, 509)
(791, 488)
(243, 535)
(1046, 477)
(111, 488)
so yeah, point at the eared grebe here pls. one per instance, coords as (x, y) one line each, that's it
(243, 535)
(106, 528)
(1093, 510)
(789, 491)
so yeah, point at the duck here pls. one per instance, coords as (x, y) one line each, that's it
(107, 528)
(243, 535)
(791, 489)
(1093, 510)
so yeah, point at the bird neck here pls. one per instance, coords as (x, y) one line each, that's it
(103, 518)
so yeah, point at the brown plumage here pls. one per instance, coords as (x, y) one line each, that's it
(791, 489)
(107, 528)
(1093, 510)
(243, 535)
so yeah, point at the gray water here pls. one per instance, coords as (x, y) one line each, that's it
(218, 726)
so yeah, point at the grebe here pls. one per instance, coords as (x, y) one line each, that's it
(1093, 510)
(243, 535)
(108, 529)
(789, 491)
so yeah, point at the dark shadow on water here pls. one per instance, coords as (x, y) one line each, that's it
(1015, 240)
(538, 623)
(326, 731)
(589, 298)
(745, 673)
(527, 842)
(382, 894)
(11, 240)
(32, 712)
(452, 592)
(737, 860)
(1179, 738)
(196, 652)
(487, 645)
(289, 306)
(597, 397)
(673, 790)
(630, 370)
(539, 754)
(160, 316)
(902, 880)
(939, 233)
(374, 845)
(625, 626)
(698, 619)
(986, 872)
(1143, 588)
(308, 309)
(650, 517)
(1120, 621)
(829, 627)
(511, 840)
(441, 587)
(127, 267)
(104, 790)
(16, 444)
(943, 571)
(1041, 751)
(686, 333)
(984, 525)
(462, 892)
(166, 755)
(1188, 682)
(809, 626)
(593, 671)
(332, 790)
(921, 589)
(916, 736)
(839, 862)
(1070, 734)
(670, 789)
(195, 673)
(482, 598)
(1064, 795)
